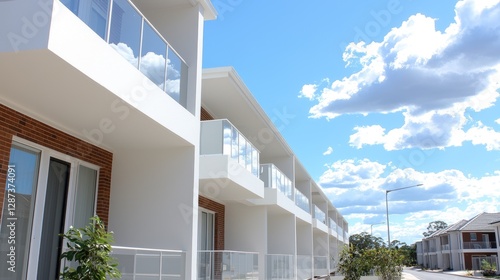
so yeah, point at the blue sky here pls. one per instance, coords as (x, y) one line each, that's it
(378, 95)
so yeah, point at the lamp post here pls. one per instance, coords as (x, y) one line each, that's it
(387, 210)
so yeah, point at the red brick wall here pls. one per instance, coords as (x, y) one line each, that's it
(14, 123)
(219, 210)
(205, 115)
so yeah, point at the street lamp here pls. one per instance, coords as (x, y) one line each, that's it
(387, 210)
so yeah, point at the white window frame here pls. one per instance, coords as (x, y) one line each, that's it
(475, 236)
(40, 194)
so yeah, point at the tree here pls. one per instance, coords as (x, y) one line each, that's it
(397, 244)
(409, 254)
(434, 226)
(364, 241)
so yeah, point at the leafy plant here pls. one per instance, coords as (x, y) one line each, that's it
(90, 248)
(388, 263)
(352, 264)
(488, 268)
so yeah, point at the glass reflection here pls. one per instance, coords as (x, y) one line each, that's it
(94, 13)
(174, 70)
(125, 31)
(153, 55)
(18, 210)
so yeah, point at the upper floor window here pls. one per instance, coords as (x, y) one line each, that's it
(473, 236)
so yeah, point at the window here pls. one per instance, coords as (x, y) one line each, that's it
(49, 192)
(473, 236)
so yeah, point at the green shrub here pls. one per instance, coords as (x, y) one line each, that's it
(90, 248)
(488, 268)
(386, 263)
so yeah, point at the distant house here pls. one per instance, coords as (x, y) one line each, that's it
(463, 245)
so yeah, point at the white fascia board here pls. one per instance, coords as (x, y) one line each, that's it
(209, 11)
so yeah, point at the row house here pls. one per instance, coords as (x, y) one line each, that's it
(271, 207)
(105, 110)
(463, 245)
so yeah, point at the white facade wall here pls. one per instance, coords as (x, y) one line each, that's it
(157, 170)
(83, 87)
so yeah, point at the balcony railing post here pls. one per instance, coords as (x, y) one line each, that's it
(161, 262)
(108, 22)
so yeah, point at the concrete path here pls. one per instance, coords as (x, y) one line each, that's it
(407, 276)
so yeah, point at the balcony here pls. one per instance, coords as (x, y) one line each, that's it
(229, 163)
(227, 265)
(280, 267)
(319, 215)
(126, 30)
(445, 247)
(340, 234)
(278, 191)
(304, 267)
(140, 263)
(87, 75)
(302, 201)
(319, 221)
(333, 227)
(320, 265)
(275, 179)
(480, 245)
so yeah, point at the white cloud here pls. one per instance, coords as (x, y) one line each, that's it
(125, 51)
(432, 77)
(153, 67)
(483, 135)
(357, 190)
(367, 135)
(350, 173)
(328, 151)
(497, 121)
(308, 91)
(358, 187)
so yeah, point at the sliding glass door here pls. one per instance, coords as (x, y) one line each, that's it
(205, 245)
(46, 192)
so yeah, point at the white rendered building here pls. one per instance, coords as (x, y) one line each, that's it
(101, 103)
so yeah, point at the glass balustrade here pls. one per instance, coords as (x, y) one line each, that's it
(333, 225)
(340, 231)
(140, 263)
(275, 179)
(302, 201)
(221, 137)
(280, 267)
(320, 262)
(319, 214)
(133, 37)
(304, 267)
(227, 265)
(479, 245)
